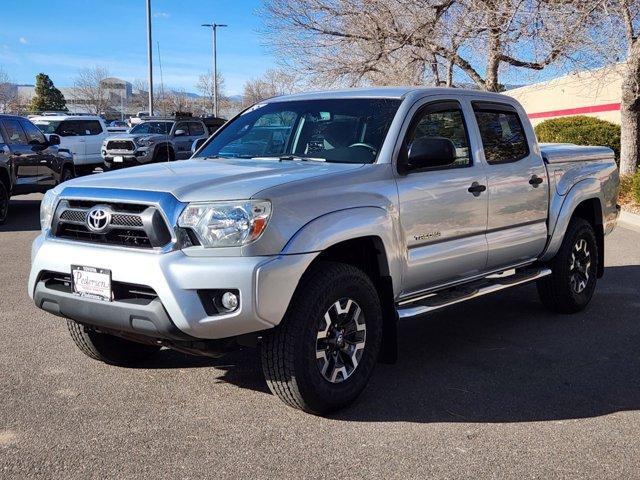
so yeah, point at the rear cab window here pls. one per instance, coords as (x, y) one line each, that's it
(91, 127)
(502, 133)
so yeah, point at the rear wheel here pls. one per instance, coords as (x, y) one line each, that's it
(321, 356)
(108, 348)
(571, 285)
(4, 202)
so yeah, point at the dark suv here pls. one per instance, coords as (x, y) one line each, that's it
(29, 161)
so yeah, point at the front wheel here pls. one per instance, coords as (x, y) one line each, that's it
(574, 270)
(321, 356)
(108, 348)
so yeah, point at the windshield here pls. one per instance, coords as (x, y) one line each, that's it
(48, 126)
(332, 130)
(156, 128)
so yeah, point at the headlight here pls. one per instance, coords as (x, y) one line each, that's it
(226, 224)
(47, 207)
(146, 141)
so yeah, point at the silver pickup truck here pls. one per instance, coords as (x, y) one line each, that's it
(311, 225)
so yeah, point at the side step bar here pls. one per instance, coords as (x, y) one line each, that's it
(444, 298)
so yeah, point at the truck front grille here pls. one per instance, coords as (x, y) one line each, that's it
(128, 225)
(124, 145)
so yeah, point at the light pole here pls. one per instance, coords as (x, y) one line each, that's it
(214, 27)
(150, 56)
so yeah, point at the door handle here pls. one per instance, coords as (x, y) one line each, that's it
(476, 189)
(535, 181)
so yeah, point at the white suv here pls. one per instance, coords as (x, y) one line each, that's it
(82, 135)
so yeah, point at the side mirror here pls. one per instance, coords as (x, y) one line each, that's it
(197, 144)
(179, 133)
(430, 152)
(53, 139)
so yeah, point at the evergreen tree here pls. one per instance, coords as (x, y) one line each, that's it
(47, 96)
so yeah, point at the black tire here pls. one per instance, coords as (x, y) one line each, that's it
(67, 174)
(289, 360)
(163, 154)
(562, 291)
(108, 348)
(4, 202)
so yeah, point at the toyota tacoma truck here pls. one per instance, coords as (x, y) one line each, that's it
(312, 225)
(153, 140)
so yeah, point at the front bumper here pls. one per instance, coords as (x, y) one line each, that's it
(266, 284)
(140, 156)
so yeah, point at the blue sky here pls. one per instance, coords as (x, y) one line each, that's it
(59, 37)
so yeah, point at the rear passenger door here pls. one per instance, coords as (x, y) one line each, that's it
(518, 190)
(93, 135)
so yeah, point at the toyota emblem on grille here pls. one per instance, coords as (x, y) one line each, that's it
(98, 219)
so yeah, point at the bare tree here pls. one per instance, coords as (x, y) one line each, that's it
(205, 86)
(624, 19)
(8, 92)
(424, 41)
(272, 84)
(90, 91)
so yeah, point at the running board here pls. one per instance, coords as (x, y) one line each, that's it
(444, 298)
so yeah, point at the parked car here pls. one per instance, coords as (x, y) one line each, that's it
(81, 135)
(368, 207)
(29, 162)
(154, 140)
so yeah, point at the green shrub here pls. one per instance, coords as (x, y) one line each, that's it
(630, 189)
(635, 187)
(581, 130)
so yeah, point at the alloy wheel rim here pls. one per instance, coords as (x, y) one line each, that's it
(340, 340)
(580, 265)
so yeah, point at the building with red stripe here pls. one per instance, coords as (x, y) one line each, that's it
(594, 93)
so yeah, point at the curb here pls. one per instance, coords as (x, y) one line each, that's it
(629, 220)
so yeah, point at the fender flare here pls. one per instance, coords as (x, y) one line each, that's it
(349, 224)
(561, 211)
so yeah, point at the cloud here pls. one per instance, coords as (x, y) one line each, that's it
(23, 40)
(161, 15)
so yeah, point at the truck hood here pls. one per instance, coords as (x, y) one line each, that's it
(208, 179)
(135, 136)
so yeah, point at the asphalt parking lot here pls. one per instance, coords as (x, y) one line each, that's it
(495, 388)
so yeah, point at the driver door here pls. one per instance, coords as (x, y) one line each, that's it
(182, 143)
(444, 223)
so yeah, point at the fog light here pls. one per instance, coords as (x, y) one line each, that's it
(229, 301)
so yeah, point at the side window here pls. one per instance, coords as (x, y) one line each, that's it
(502, 134)
(182, 126)
(445, 121)
(196, 129)
(70, 128)
(92, 127)
(34, 135)
(15, 133)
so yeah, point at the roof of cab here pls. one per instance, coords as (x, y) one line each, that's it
(398, 93)
(65, 117)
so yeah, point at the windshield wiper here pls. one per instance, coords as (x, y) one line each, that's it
(298, 157)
